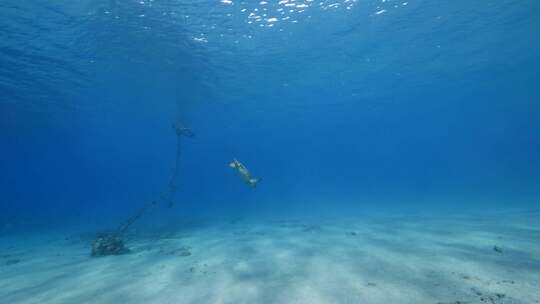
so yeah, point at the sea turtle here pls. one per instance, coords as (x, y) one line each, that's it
(244, 173)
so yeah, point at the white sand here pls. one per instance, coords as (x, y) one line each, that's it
(386, 260)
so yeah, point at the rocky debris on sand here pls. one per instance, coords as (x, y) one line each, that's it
(201, 269)
(490, 298)
(483, 280)
(497, 249)
(496, 298)
(108, 244)
(475, 295)
(493, 297)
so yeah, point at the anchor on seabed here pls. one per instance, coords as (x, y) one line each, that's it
(112, 242)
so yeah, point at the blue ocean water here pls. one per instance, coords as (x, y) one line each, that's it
(396, 145)
(341, 107)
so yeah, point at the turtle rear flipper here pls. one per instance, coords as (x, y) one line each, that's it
(253, 182)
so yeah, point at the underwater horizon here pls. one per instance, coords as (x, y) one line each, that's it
(383, 121)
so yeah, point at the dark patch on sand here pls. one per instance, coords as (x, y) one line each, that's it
(486, 297)
(13, 262)
(181, 252)
(312, 228)
(201, 269)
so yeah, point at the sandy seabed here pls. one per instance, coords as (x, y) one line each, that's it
(376, 259)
